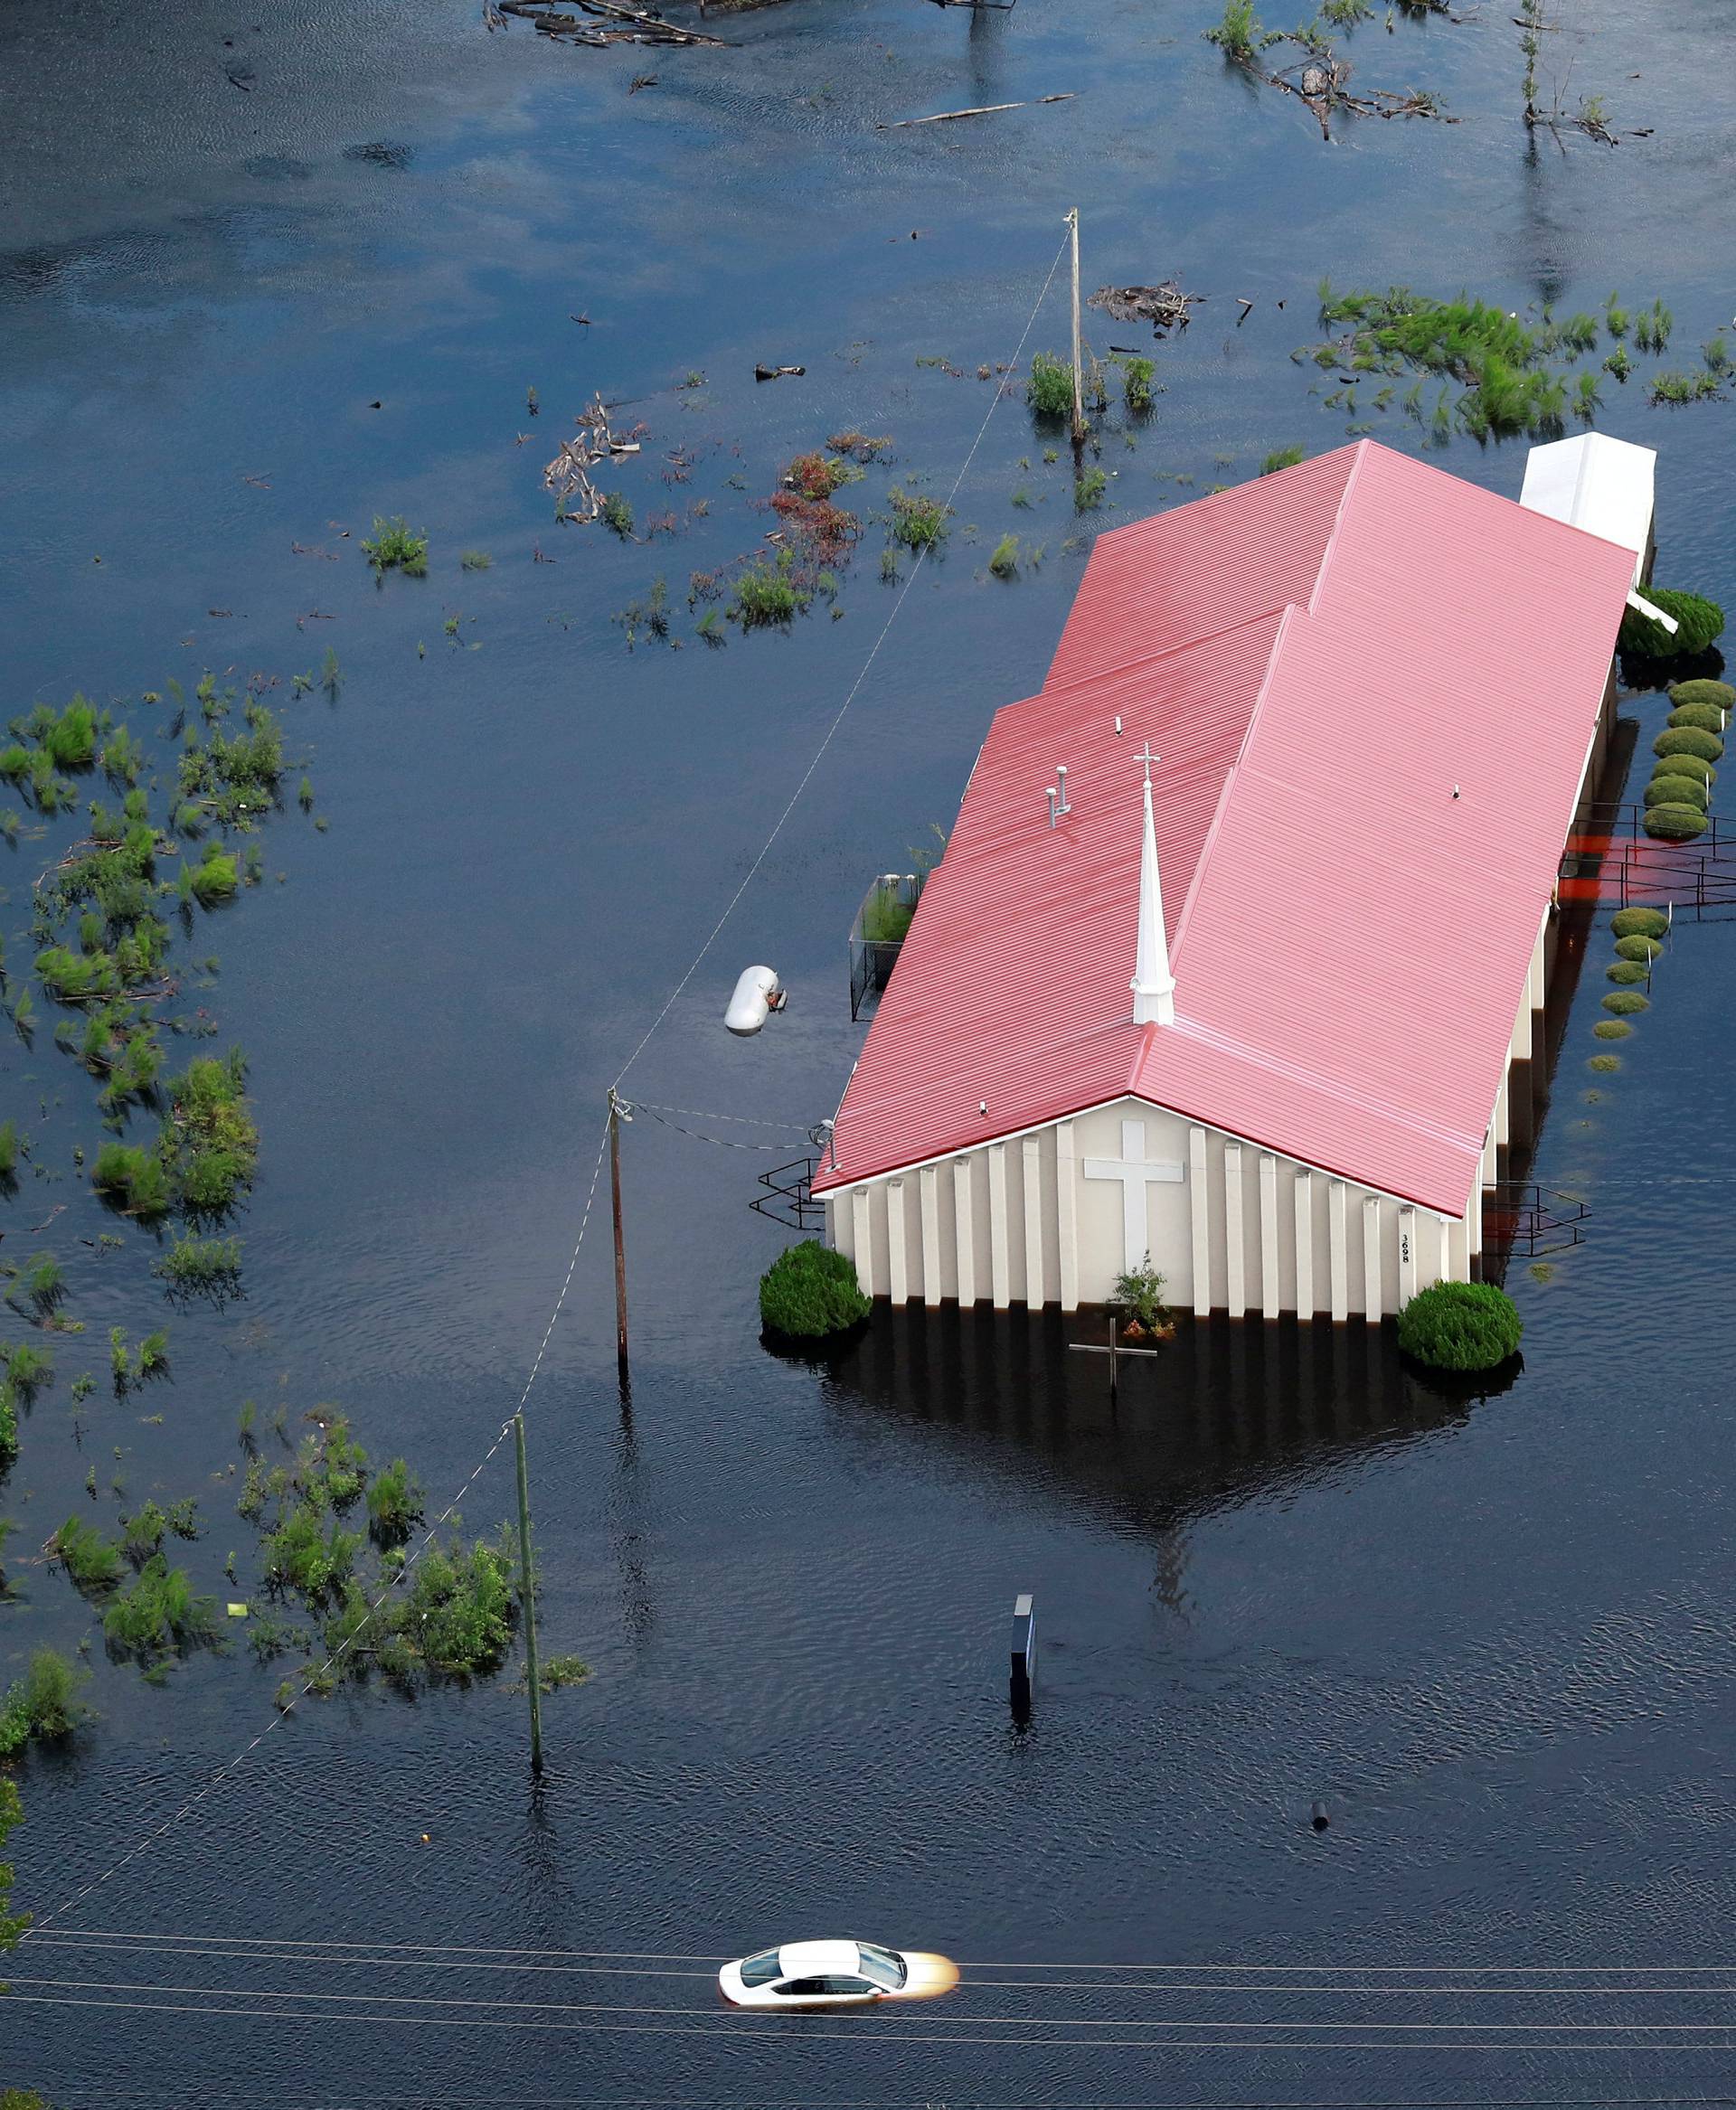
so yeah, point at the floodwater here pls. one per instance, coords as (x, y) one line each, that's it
(1493, 1636)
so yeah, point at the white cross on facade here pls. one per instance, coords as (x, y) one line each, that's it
(1135, 1175)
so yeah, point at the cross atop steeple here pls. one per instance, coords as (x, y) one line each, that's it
(1153, 984)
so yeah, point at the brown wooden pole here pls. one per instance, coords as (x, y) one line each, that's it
(1079, 378)
(620, 1246)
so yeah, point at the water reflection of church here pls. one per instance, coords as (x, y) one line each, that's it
(1238, 953)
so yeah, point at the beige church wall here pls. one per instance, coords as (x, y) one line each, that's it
(1241, 1231)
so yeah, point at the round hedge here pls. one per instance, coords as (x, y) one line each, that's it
(1626, 1002)
(1666, 789)
(1637, 948)
(1686, 765)
(1706, 716)
(1612, 1029)
(809, 1291)
(1461, 1325)
(1719, 694)
(1674, 823)
(1699, 623)
(1640, 923)
(1626, 971)
(1604, 1063)
(1688, 739)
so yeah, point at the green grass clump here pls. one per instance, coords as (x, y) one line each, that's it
(1049, 390)
(1239, 35)
(1283, 457)
(1706, 716)
(209, 1143)
(70, 977)
(68, 737)
(1612, 1029)
(1603, 1064)
(394, 1504)
(92, 1561)
(1626, 971)
(44, 1702)
(1689, 739)
(1626, 1002)
(212, 880)
(158, 1611)
(1135, 384)
(766, 593)
(1666, 789)
(1684, 388)
(27, 1369)
(1673, 823)
(476, 560)
(1700, 623)
(306, 1553)
(809, 1292)
(1719, 694)
(201, 1266)
(616, 515)
(1003, 562)
(1460, 1326)
(8, 1149)
(1088, 489)
(396, 546)
(885, 918)
(459, 1612)
(133, 1179)
(44, 1281)
(918, 524)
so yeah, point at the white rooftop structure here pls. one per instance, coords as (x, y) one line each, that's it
(1603, 485)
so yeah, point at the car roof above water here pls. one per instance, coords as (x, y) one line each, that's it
(818, 1959)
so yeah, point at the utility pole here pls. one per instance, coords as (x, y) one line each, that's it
(527, 1601)
(1078, 384)
(620, 1247)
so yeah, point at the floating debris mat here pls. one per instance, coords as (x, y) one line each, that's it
(1164, 306)
(596, 21)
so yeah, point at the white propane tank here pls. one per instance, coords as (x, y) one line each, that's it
(757, 996)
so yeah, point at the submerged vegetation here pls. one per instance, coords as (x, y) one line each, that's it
(396, 546)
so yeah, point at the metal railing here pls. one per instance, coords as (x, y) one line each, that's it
(888, 905)
(1521, 1217)
(788, 1198)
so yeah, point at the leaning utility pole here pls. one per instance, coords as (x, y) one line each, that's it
(1079, 385)
(620, 1247)
(527, 1600)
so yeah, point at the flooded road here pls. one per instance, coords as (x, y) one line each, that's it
(255, 292)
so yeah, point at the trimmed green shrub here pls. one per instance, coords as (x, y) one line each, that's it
(1706, 716)
(1626, 971)
(1461, 1325)
(1666, 789)
(1603, 1064)
(1674, 823)
(1686, 765)
(1626, 1002)
(1637, 948)
(1612, 1029)
(1699, 623)
(809, 1291)
(1689, 739)
(1719, 694)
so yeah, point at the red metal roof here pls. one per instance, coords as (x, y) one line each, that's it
(1318, 657)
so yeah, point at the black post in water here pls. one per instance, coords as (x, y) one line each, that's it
(527, 1600)
(1024, 1654)
(620, 1247)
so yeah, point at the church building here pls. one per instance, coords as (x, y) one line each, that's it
(1247, 915)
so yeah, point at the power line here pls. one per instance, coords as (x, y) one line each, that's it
(850, 2025)
(892, 2038)
(778, 827)
(262, 1950)
(336, 1655)
(838, 718)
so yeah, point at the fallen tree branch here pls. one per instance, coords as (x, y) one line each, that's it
(986, 110)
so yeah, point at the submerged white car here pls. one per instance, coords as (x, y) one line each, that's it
(830, 1975)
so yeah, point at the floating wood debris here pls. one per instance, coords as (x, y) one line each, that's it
(986, 110)
(568, 476)
(611, 22)
(1164, 306)
(776, 373)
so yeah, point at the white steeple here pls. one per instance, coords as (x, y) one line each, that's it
(1153, 984)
